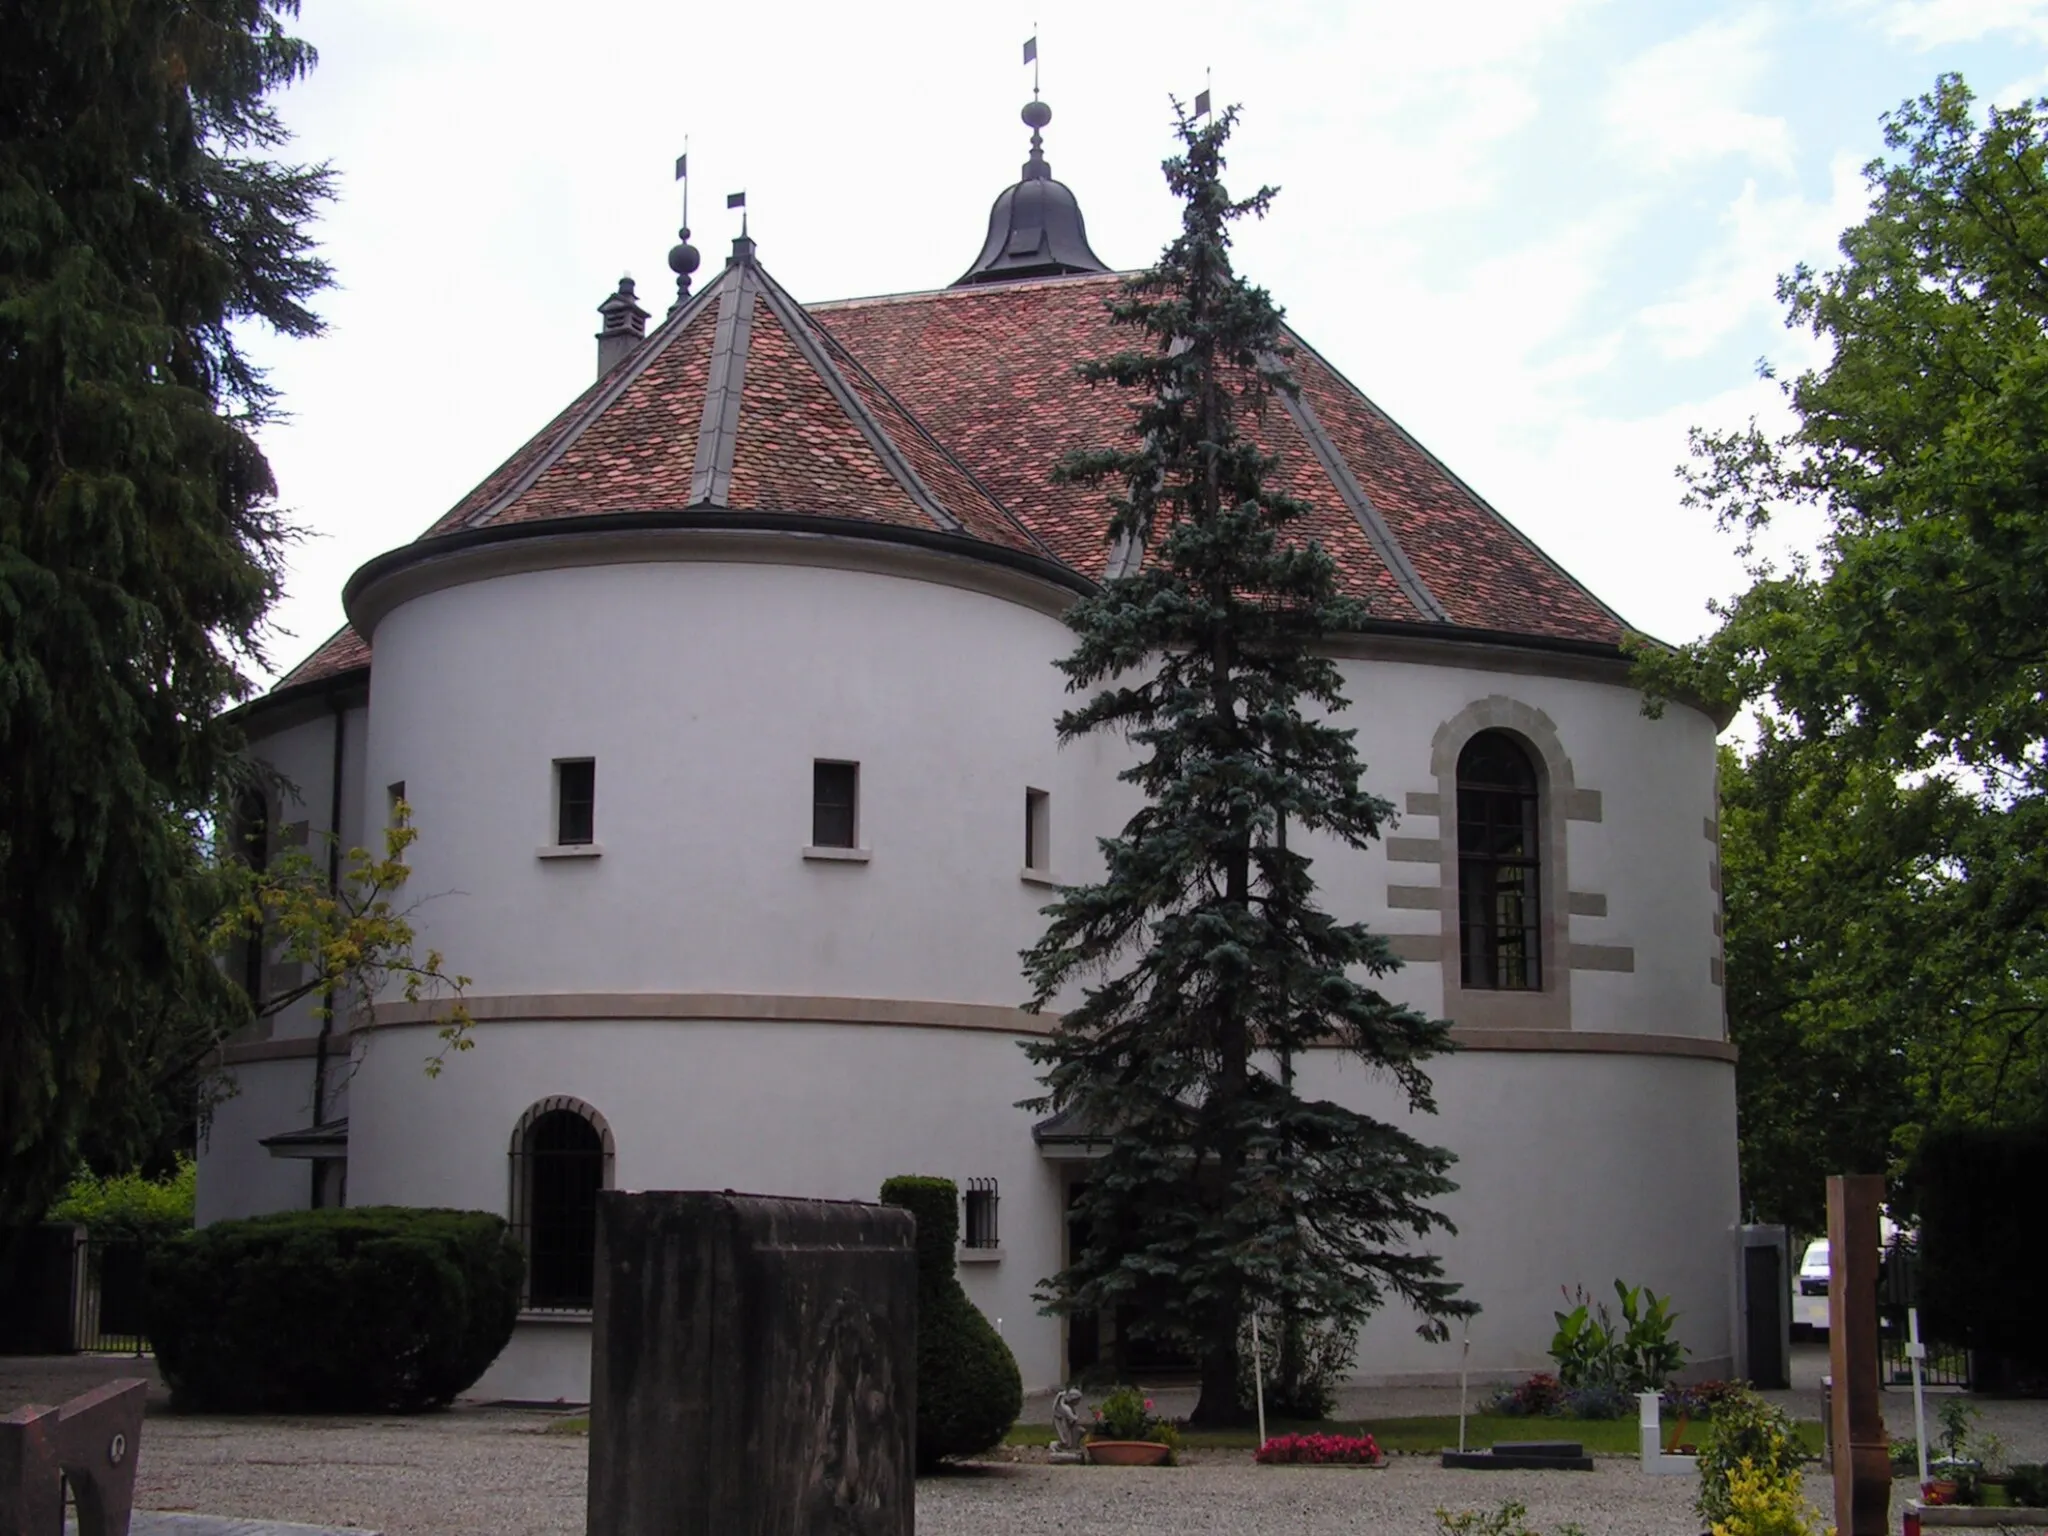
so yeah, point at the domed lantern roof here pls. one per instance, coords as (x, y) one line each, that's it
(1035, 228)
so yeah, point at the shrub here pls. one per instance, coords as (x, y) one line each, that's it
(371, 1310)
(1539, 1396)
(1599, 1400)
(1637, 1355)
(1766, 1503)
(1322, 1357)
(1745, 1430)
(2027, 1482)
(1319, 1451)
(969, 1391)
(130, 1207)
(1700, 1401)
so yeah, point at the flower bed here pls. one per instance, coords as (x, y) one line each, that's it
(1320, 1451)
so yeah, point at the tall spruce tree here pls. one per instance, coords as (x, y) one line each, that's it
(1202, 958)
(142, 221)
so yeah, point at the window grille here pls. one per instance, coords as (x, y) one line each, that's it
(561, 1158)
(1499, 866)
(576, 802)
(835, 795)
(979, 1229)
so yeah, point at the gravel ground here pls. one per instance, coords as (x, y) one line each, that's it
(480, 1471)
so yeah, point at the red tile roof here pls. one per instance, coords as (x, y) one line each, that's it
(948, 410)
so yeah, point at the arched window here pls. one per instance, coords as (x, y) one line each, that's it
(251, 843)
(561, 1158)
(1499, 868)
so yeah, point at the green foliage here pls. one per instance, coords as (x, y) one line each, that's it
(1745, 1432)
(143, 227)
(1596, 1354)
(2027, 1482)
(1201, 957)
(353, 940)
(1984, 1240)
(131, 1205)
(1767, 1502)
(969, 1391)
(377, 1309)
(1510, 1519)
(1126, 1414)
(1306, 1361)
(1887, 909)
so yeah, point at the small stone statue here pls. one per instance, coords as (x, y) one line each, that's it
(1066, 1423)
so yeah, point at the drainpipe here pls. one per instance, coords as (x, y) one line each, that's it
(320, 1045)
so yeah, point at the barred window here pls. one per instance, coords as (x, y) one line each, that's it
(561, 1158)
(1499, 867)
(575, 802)
(978, 1229)
(835, 804)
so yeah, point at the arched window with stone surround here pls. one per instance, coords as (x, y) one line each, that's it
(1499, 865)
(561, 1157)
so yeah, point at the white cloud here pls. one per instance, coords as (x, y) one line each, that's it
(1681, 103)
(1928, 24)
(1763, 237)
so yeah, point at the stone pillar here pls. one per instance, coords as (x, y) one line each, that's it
(1863, 1476)
(753, 1368)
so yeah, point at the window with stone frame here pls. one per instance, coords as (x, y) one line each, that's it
(1499, 865)
(561, 1159)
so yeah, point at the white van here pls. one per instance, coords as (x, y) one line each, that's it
(1810, 1290)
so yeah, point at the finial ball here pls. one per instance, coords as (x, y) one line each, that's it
(684, 258)
(1036, 114)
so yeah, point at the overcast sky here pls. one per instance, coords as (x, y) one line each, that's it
(1542, 234)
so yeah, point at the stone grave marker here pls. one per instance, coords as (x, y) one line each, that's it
(754, 1367)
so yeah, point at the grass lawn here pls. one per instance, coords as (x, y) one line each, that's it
(1430, 1434)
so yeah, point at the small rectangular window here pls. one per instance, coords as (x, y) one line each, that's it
(978, 1228)
(1037, 830)
(835, 794)
(575, 801)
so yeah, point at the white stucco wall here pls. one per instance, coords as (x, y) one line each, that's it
(705, 690)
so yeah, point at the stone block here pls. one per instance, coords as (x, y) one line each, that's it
(90, 1443)
(753, 1367)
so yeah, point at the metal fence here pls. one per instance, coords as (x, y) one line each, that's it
(1947, 1364)
(107, 1305)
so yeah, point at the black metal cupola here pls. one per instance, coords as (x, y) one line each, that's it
(1035, 228)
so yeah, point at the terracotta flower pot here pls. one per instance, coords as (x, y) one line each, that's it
(1940, 1490)
(1126, 1453)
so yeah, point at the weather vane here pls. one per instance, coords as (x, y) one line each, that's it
(1031, 58)
(1202, 96)
(683, 259)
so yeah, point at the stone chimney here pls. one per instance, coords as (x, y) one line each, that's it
(625, 325)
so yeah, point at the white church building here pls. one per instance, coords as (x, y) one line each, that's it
(725, 711)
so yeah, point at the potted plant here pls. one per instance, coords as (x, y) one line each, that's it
(1128, 1434)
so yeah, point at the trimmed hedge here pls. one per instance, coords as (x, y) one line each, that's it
(969, 1391)
(380, 1309)
(1983, 1246)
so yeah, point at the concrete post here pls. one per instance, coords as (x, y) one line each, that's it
(1863, 1478)
(753, 1368)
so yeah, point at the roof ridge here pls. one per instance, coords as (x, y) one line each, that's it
(725, 390)
(862, 300)
(796, 324)
(1459, 481)
(1385, 543)
(615, 384)
(929, 436)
